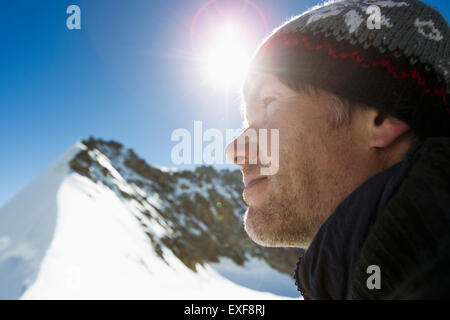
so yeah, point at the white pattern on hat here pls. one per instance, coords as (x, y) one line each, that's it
(435, 34)
(385, 21)
(324, 12)
(410, 28)
(389, 4)
(353, 20)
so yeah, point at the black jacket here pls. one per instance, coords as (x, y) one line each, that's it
(398, 221)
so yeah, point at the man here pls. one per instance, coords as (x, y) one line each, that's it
(359, 93)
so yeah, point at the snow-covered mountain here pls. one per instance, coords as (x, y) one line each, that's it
(102, 223)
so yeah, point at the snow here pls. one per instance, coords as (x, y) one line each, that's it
(27, 229)
(257, 275)
(117, 179)
(66, 237)
(166, 169)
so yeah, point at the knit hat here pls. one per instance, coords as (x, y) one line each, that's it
(391, 55)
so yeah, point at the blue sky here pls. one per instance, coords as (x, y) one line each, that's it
(130, 74)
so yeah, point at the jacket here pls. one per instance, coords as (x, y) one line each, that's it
(390, 238)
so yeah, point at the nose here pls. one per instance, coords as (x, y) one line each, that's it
(243, 150)
(231, 153)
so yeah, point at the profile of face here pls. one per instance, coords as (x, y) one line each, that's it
(318, 166)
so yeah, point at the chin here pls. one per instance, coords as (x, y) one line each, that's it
(266, 229)
(260, 228)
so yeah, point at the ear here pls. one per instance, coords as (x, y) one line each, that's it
(384, 129)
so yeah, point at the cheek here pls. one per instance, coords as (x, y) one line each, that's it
(287, 124)
(295, 142)
(291, 155)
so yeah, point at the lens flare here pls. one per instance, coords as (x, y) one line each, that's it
(223, 36)
(227, 58)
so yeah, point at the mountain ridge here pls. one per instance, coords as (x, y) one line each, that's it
(191, 216)
(205, 175)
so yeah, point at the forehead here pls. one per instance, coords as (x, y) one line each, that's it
(257, 86)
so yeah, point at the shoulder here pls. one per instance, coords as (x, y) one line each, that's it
(410, 241)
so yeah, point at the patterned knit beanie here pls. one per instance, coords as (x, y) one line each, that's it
(390, 55)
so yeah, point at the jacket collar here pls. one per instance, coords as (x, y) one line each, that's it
(325, 270)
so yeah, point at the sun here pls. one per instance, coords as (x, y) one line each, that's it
(223, 37)
(227, 58)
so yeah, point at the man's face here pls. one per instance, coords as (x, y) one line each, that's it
(318, 167)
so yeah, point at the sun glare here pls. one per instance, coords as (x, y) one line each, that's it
(227, 58)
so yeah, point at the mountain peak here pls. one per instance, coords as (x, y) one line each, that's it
(193, 216)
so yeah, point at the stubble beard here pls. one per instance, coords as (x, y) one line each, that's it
(290, 216)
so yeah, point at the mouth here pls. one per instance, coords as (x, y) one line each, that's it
(250, 181)
(255, 189)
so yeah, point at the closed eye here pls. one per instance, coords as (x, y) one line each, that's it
(267, 101)
(260, 112)
(269, 107)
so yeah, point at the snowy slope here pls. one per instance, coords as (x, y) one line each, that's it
(66, 236)
(27, 225)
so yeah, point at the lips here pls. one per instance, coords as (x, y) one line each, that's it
(251, 180)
